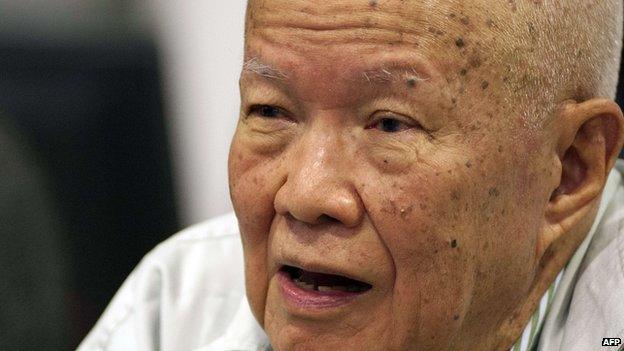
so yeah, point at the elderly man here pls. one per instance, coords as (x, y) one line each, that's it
(406, 175)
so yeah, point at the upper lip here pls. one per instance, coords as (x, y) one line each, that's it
(322, 268)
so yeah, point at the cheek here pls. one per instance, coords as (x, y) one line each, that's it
(428, 233)
(254, 180)
(455, 240)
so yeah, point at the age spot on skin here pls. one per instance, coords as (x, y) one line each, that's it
(514, 7)
(459, 42)
(435, 31)
(476, 126)
(468, 164)
(455, 195)
(484, 84)
(372, 3)
(531, 28)
(411, 82)
(454, 243)
(475, 61)
(494, 192)
(405, 211)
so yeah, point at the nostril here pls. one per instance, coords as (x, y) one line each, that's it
(326, 219)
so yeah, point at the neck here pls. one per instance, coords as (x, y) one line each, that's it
(552, 261)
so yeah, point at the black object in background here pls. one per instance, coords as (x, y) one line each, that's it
(33, 263)
(93, 114)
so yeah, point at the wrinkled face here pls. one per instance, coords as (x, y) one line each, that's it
(385, 182)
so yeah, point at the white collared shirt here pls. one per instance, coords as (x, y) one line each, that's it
(189, 294)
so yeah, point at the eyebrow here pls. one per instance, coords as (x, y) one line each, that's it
(255, 65)
(383, 75)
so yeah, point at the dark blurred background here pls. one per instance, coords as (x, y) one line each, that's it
(86, 185)
(85, 174)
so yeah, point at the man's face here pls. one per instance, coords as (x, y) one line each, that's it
(377, 141)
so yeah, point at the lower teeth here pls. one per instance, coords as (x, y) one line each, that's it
(312, 287)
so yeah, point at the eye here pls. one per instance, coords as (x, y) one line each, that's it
(266, 111)
(390, 125)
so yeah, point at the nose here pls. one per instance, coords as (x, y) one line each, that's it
(318, 187)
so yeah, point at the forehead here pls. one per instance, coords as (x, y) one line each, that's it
(444, 34)
(330, 23)
(456, 41)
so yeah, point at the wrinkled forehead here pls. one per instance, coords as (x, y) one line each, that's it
(460, 41)
(451, 35)
(421, 24)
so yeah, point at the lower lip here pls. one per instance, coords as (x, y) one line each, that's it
(308, 299)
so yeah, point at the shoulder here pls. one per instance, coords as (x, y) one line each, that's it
(211, 240)
(221, 227)
(181, 295)
(206, 256)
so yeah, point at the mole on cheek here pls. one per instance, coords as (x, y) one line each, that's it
(459, 42)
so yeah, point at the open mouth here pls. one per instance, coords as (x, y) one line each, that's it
(322, 282)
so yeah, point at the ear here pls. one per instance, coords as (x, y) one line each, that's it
(590, 136)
